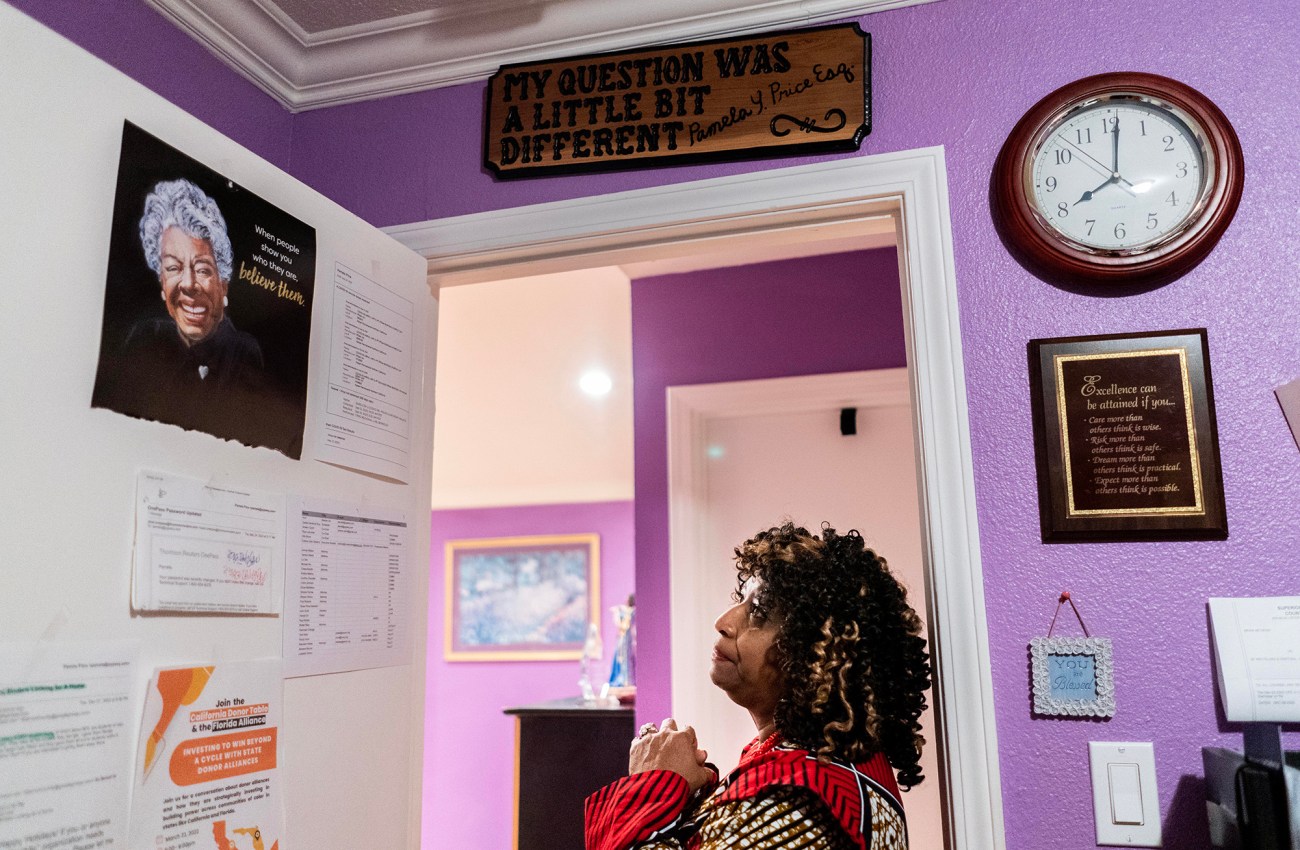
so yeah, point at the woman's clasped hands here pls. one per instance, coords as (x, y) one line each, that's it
(668, 748)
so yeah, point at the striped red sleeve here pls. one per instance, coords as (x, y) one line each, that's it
(627, 812)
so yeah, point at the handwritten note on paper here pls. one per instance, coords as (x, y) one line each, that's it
(1257, 646)
(199, 547)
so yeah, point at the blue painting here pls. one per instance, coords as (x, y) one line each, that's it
(521, 598)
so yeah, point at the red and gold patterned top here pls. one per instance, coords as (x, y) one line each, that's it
(779, 796)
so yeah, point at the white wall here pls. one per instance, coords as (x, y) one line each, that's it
(350, 762)
(513, 427)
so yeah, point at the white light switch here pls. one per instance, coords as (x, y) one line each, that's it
(1125, 805)
(1125, 794)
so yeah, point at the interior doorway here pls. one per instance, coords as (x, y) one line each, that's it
(903, 193)
(757, 452)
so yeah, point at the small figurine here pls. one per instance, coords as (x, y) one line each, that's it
(622, 673)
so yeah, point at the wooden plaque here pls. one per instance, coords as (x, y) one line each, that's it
(1125, 438)
(796, 92)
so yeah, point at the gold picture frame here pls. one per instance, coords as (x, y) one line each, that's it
(527, 598)
(1125, 437)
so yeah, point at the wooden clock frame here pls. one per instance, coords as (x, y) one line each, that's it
(1050, 254)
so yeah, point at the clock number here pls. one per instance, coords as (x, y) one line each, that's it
(1108, 124)
(1172, 200)
(1152, 222)
(1169, 142)
(1083, 136)
(1182, 169)
(1144, 127)
(1120, 232)
(1051, 184)
(1063, 156)
(1091, 222)
(1062, 210)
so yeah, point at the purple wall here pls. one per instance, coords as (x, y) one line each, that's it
(957, 74)
(145, 46)
(469, 745)
(837, 313)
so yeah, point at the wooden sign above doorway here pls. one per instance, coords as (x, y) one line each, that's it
(777, 94)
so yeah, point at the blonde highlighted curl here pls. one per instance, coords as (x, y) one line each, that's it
(855, 668)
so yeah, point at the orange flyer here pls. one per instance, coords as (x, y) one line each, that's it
(207, 768)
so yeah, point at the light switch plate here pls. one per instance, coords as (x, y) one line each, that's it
(1124, 791)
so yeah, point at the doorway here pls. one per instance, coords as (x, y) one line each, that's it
(756, 452)
(904, 193)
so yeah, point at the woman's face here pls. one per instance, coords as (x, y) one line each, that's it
(191, 287)
(742, 656)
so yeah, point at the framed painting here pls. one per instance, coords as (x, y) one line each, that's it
(521, 598)
(1125, 437)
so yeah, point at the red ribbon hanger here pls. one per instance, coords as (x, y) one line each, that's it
(1065, 597)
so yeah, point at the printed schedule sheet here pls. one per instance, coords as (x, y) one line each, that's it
(347, 597)
(366, 417)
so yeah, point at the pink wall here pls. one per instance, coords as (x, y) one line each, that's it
(469, 744)
(957, 74)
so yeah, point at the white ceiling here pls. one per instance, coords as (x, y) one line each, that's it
(313, 53)
(511, 426)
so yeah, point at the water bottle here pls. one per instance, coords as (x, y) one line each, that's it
(591, 653)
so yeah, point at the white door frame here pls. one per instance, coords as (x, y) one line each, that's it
(908, 188)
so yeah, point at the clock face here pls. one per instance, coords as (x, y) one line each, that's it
(1119, 175)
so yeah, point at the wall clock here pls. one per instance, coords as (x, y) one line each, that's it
(1117, 178)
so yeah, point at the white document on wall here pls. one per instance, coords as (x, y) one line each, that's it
(366, 418)
(1257, 646)
(347, 590)
(200, 547)
(66, 733)
(207, 768)
(1288, 395)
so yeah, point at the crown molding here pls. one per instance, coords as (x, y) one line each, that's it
(428, 50)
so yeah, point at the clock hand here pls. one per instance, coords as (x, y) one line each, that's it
(1115, 176)
(1087, 196)
(1096, 164)
(1114, 147)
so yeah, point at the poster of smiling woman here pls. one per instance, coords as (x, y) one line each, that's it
(207, 310)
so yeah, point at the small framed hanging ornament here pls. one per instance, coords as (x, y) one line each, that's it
(1072, 676)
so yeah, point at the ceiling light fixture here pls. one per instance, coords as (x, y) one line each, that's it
(596, 383)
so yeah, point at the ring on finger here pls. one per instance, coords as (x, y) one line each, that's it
(647, 729)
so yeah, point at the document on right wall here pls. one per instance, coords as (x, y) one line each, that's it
(1257, 647)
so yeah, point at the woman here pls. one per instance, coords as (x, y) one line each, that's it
(185, 243)
(824, 652)
(191, 366)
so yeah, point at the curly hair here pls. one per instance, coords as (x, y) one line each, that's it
(179, 203)
(855, 667)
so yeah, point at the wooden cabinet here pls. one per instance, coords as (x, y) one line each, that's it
(564, 751)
